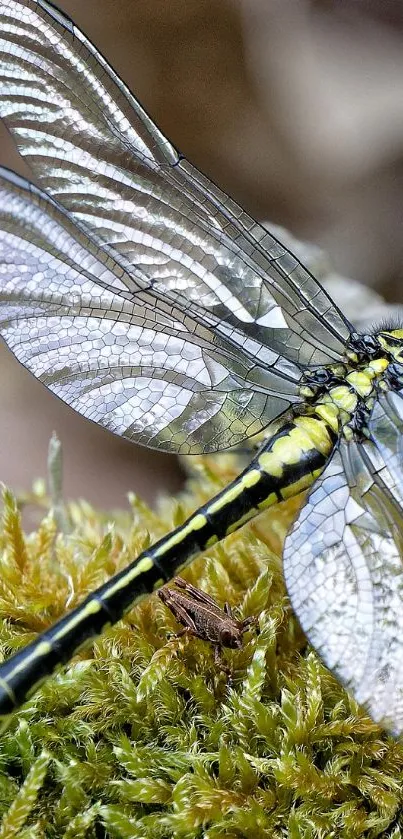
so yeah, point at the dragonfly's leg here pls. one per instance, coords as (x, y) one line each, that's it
(228, 610)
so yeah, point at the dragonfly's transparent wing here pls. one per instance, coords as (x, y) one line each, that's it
(344, 572)
(386, 430)
(103, 342)
(94, 149)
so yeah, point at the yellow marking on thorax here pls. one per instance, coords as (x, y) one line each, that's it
(343, 398)
(306, 392)
(347, 432)
(337, 406)
(361, 381)
(378, 365)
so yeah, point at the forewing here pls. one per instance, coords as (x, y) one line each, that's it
(113, 350)
(344, 574)
(95, 150)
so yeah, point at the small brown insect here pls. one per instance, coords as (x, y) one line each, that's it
(201, 616)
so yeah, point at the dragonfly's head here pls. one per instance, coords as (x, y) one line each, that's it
(391, 342)
(386, 341)
(383, 350)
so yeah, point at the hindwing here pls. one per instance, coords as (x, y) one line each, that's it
(343, 565)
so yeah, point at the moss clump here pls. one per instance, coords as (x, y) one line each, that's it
(141, 736)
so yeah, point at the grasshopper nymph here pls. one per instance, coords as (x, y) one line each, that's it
(201, 616)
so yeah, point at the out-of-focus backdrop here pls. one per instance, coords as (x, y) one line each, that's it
(293, 107)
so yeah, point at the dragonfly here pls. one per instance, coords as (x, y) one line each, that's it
(146, 299)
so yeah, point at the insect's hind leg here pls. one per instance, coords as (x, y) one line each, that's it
(178, 612)
(196, 593)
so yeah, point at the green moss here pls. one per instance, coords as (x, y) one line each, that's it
(141, 736)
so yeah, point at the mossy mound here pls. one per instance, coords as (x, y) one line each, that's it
(142, 737)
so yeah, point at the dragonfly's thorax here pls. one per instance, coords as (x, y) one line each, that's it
(343, 394)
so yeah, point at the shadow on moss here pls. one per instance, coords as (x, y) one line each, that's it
(141, 737)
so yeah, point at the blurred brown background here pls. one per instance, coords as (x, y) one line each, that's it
(296, 109)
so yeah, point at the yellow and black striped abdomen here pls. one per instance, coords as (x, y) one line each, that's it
(286, 465)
